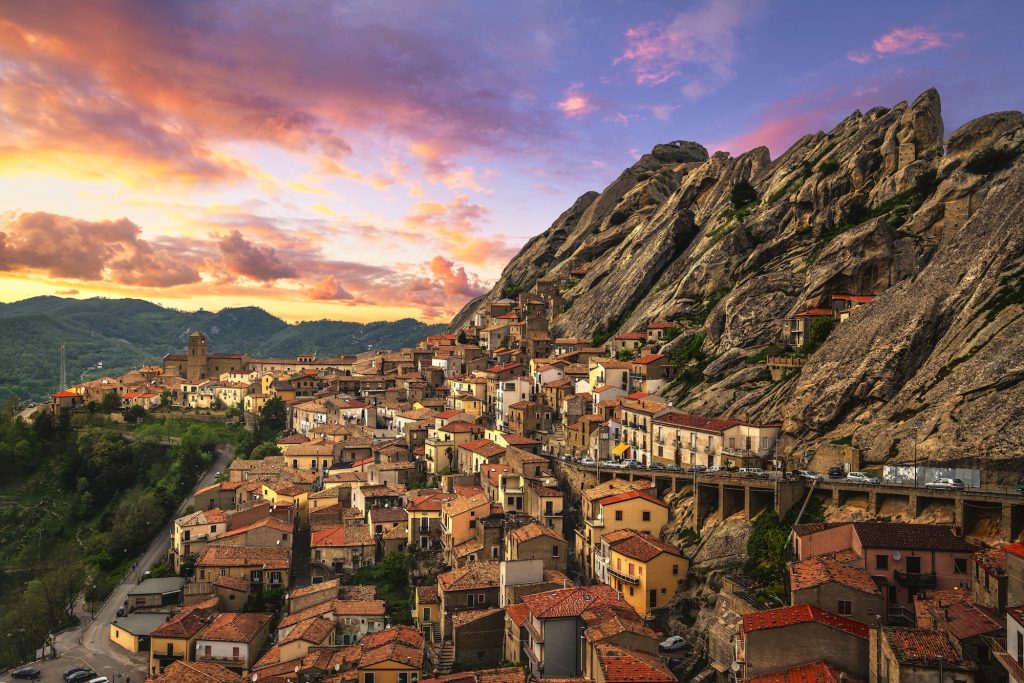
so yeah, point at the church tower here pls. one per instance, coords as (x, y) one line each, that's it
(196, 365)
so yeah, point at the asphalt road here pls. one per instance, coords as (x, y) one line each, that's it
(90, 644)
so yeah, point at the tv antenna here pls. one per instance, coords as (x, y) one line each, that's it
(63, 370)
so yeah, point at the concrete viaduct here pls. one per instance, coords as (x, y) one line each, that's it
(727, 494)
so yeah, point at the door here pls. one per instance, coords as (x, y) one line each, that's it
(653, 599)
(913, 565)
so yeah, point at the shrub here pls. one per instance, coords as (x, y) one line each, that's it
(618, 217)
(817, 333)
(989, 160)
(742, 193)
(828, 167)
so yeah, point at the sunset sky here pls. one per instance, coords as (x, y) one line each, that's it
(376, 160)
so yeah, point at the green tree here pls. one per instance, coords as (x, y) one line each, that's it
(817, 332)
(273, 416)
(111, 402)
(135, 414)
(265, 449)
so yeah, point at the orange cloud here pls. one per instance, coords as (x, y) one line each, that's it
(576, 103)
(904, 41)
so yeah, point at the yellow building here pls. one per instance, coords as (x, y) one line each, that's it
(646, 571)
(427, 613)
(613, 505)
(174, 640)
(264, 567)
(441, 447)
(129, 630)
(286, 493)
(192, 532)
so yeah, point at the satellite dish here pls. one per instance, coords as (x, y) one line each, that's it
(897, 555)
(735, 666)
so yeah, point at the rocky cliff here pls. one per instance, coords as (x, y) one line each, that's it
(883, 204)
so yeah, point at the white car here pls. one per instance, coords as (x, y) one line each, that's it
(947, 484)
(672, 643)
(807, 474)
(862, 478)
(755, 472)
(713, 469)
(587, 461)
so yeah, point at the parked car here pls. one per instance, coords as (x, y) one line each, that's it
(632, 463)
(82, 676)
(836, 473)
(28, 673)
(947, 484)
(807, 474)
(672, 467)
(587, 461)
(712, 469)
(101, 679)
(657, 466)
(673, 662)
(755, 472)
(672, 643)
(697, 468)
(862, 478)
(75, 670)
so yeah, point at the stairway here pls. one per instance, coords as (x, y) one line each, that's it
(435, 632)
(446, 659)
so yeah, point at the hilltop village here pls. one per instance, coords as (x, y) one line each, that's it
(492, 506)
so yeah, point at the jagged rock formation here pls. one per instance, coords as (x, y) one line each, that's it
(882, 204)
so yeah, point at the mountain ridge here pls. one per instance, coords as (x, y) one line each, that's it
(865, 208)
(128, 333)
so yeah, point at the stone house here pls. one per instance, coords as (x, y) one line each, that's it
(537, 542)
(472, 587)
(342, 548)
(478, 637)
(914, 655)
(526, 418)
(989, 579)
(833, 586)
(234, 640)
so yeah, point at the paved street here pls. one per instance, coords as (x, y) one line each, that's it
(90, 644)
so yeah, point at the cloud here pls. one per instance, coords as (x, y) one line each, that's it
(66, 292)
(264, 264)
(64, 247)
(697, 46)
(904, 41)
(576, 104)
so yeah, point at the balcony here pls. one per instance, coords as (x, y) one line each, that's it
(625, 578)
(1012, 666)
(916, 579)
(596, 522)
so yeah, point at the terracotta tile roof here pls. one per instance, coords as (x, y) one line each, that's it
(609, 364)
(242, 556)
(237, 627)
(266, 522)
(605, 622)
(857, 298)
(358, 592)
(309, 613)
(1017, 612)
(461, 427)
(545, 491)
(630, 495)
(620, 665)
(400, 644)
(429, 503)
(342, 536)
(532, 531)
(462, 504)
(484, 447)
(387, 515)
(992, 561)
(642, 546)
(707, 424)
(345, 477)
(799, 614)
(212, 516)
(817, 571)
(467, 548)
(964, 620)
(818, 672)
(383, 490)
(815, 527)
(196, 672)
(468, 616)
(359, 608)
(814, 313)
(323, 586)
(570, 602)
(484, 574)
(232, 583)
(922, 647)
(1016, 549)
(427, 594)
(649, 358)
(899, 536)
(293, 439)
(661, 325)
(184, 624)
(315, 631)
(518, 613)
(614, 486)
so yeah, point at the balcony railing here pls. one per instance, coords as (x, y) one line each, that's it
(1012, 666)
(625, 578)
(916, 579)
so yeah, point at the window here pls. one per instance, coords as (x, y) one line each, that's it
(472, 524)
(844, 608)
(368, 677)
(675, 570)
(208, 650)
(618, 515)
(959, 565)
(235, 653)
(554, 551)
(471, 600)
(403, 677)
(881, 561)
(631, 569)
(631, 590)
(480, 599)
(647, 515)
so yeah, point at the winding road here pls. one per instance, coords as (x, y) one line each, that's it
(90, 644)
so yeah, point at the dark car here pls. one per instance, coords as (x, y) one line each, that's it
(76, 670)
(28, 673)
(82, 676)
(836, 473)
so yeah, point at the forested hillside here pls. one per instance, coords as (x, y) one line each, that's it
(123, 334)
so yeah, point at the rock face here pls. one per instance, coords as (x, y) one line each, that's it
(880, 205)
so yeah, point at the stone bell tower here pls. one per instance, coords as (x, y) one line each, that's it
(196, 364)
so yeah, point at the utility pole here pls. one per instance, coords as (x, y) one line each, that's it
(63, 370)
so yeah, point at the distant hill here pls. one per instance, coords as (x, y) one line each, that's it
(127, 333)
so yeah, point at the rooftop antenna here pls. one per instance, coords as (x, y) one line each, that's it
(63, 370)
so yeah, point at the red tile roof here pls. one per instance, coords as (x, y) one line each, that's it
(642, 546)
(818, 672)
(460, 427)
(814, 312)
(992, 561)
(649, 358)
(857, 298)
(532, 531)
(341, 536)
(570, 602)
(620, 665)
(816, 571)
(799, 614)
(629, 495)
(922, 647)
(237, 627)
(242, 556)
(518, 613)
(709, 424)
(475, 575)
(899, 536)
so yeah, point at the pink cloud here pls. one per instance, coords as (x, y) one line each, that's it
(698, 46)
(328, 289)
(455, 281)
(904, 41)
(576, 104)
